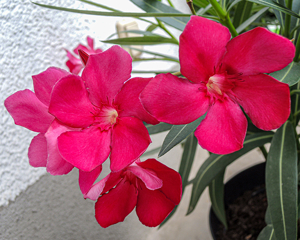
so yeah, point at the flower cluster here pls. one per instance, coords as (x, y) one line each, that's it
(83, 120)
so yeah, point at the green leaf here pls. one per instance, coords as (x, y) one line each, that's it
(290, 74)
(186, 163)
(187, 159)
(280, 15)
(150, 152)
(145, 33)
(146, 40)
(154, 53)
(153, 6)
(242, 12)
(161, 127)
(267, 233)
(214, 164)
(152, 27)
(282, 182)
(216, 194)
(296, 9)
(177, 134)
(251, 19)
(276, 6)
(114, 14)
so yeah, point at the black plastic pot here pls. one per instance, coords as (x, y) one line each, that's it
(235, 187)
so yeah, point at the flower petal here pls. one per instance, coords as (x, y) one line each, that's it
(174, 100)
(37, 151)
(224, 128)
(56, 165)
(44, 82)
(114, 206)
(85, 149)
(172, 184)
(130, 139)
(28, 111)
(129, 103)
(105, 74)
(70, 103)
(103, 186)
(90, 42)
(264, 99)
(201, 47)
(152, 206)
(148, 177)
(258, 51)
(87, 179)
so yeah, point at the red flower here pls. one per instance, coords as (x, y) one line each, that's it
(74, 64)
(30, 109)
(105, 109)
(222, 75)
(151, 187)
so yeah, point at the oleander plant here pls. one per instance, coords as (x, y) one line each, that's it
(237, 89)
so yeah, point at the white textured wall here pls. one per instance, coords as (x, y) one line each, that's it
(31, 40)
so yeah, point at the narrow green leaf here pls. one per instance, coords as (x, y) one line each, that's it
(296, 9)
(177, 134)
(276, 6)
(280, 15)
(114, 14)
(150, 152)
(154, 53)
(152, 27)
(161, 127)
(290, 74)
(233, 4)
(251, 19)
(187, 159)
(282, 182)
(216, 194)
(153, 6)
(214, 164)
(186, 163)
(267, 233)
(242, 12)
(146, 40)
(145, 33)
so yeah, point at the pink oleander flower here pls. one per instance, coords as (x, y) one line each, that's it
(75, 64)
(153, 188)
(104, 105)
(222, 75)
(30, 110)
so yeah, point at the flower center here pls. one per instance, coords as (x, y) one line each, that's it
(219, 86)
(106, 117)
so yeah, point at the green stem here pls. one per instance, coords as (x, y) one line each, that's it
(296, 58)
(162, 26)
(191, 6)
(170, 3)
(224, 17)
(295, 92)
(288, 20)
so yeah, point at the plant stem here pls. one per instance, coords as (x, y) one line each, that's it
(162, 26)
(288, 20)
(296, 58)
(224, 17)
(170, 3)
(295, 92)
(191, 6)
